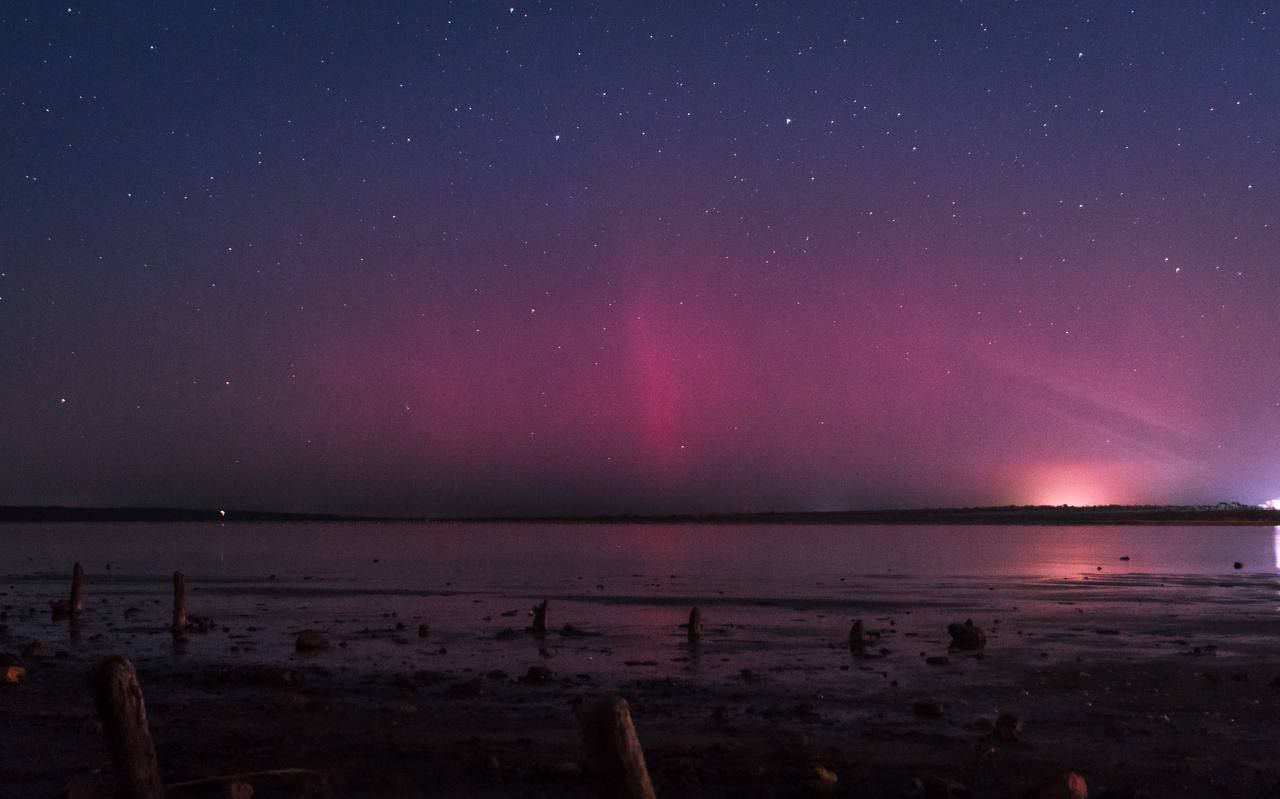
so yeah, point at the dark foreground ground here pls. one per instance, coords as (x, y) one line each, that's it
(1159, 711)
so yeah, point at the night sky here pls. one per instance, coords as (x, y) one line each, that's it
(595, 257)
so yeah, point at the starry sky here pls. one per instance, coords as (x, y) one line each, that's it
(639, 257)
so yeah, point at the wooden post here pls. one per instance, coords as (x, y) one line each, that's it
(179, 603)
(77, 589)
(615, 760)
(695, 625)
(857, 642)
(124, 720)
(540, 618)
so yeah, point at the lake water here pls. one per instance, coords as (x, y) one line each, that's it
(767, 557)
(770, 594)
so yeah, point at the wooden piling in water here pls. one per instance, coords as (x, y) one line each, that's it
(857, 640)
(118, 698)
(77, 589)
(615, 761)
(540, 618)
(695, 625)
(179, 603)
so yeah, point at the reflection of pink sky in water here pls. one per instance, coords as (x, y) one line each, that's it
(763, 558)
(771, 596)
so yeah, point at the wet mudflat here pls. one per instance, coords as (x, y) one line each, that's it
(1146, 684)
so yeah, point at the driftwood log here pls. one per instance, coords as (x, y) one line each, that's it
(118, 697)
(615, 761)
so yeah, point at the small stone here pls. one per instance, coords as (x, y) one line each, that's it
(537, 675)
(823, 779)
(470, 688)
(942, 787)
(423, 630)
(927, 710)
(1237, 565)
(86, 790)
(311, 641)
(1008, 727)
(237, 790)
(566, 769)
(1068, 785)
(35, 649)
(937, 660)
(289, 701)
(967, 636)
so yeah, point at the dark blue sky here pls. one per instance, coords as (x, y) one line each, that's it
(493, 257)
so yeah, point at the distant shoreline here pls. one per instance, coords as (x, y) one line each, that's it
(56, 513)
(1226, 515)
(1013, 515)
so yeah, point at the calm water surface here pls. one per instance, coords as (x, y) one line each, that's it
(476, 556)
(773, 596)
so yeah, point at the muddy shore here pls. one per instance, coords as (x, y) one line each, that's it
(1179, 698)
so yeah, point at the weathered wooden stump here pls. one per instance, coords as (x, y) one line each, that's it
(540, 618)
(615, 761)
(77, 589)
(857, 640)
(179, 603)
(695, 626)
(118, 697)
(72, 607)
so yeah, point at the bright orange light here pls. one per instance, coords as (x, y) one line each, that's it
(1074, 484)
(1073, 499)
